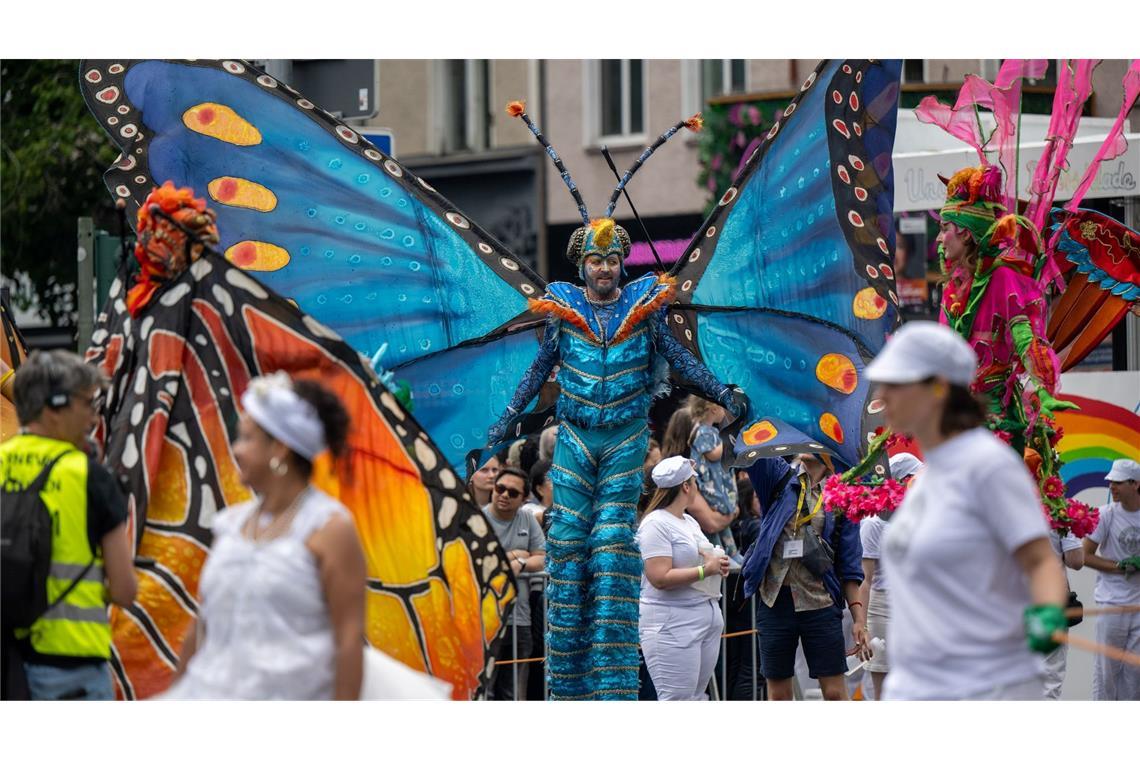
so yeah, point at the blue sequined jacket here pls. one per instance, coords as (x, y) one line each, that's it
(613, 359)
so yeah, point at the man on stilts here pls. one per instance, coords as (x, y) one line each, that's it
(614, 349)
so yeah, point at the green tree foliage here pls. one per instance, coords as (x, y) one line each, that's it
(53, 157)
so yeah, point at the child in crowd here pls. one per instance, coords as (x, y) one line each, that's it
(717, 483)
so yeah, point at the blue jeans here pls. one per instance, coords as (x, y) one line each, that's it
(89, 682)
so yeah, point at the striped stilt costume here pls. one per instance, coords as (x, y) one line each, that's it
(613, 356)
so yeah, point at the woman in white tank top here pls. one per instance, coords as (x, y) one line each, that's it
(282, 592)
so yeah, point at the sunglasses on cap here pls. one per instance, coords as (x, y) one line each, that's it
(513, 493)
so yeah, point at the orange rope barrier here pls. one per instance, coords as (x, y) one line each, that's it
(543, 659)
(739, 633)
(519, 662)
(1090, 611)
(1113, 653)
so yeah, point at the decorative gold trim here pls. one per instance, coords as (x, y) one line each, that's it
(610, 405)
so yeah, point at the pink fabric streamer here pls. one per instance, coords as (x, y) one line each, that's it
(1074, 85)
(959, 120)
(1115, 144)
(1004, 99)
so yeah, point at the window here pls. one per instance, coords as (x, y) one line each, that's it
(621, 98)
(705, 79)
(914, 70)
(464, 105)
(722, 76)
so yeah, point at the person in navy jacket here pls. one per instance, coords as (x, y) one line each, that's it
(796, 606)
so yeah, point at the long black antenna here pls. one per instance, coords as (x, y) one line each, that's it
(637, 216)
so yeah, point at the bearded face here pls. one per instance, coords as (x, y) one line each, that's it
(602, 275)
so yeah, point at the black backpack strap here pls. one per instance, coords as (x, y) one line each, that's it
(70, 587)
(37, 486)
(779, 487)
(41, 479)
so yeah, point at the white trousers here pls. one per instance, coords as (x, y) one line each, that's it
(1055, 671)
(680, 645)
(1114, 680)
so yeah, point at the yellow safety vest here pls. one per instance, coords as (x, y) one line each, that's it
(77, 626)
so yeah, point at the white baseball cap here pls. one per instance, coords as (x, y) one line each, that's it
(919, 350)
(1123, 469)
(672, 471)
(904, 465)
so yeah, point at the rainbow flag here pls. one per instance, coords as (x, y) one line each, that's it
(1095, 435)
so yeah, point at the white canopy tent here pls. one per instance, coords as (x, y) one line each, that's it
(923, 151)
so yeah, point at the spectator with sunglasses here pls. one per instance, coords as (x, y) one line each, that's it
(521, 538)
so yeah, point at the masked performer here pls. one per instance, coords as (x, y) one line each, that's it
(993, 299)
(613, 348)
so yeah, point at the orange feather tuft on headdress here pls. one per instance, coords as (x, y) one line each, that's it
(696, 122)
(516, 107)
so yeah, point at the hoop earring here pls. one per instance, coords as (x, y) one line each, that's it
(278, 467)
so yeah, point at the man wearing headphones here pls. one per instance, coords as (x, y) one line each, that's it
(65, 651)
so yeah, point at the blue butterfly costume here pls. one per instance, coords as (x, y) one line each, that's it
(786, 291)
(612, 357)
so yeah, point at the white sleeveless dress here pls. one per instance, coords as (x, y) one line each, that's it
(268, 632)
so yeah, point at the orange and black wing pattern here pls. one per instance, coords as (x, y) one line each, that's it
(439, 585)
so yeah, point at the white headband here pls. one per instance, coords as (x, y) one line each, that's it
(273, 404)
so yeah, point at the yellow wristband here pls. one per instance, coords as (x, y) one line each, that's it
(700, 572)
(7, 376)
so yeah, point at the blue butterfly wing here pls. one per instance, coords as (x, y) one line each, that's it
(327, 220)
(788, 290)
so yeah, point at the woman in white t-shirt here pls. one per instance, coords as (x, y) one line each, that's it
(680, 622)
(873, 590)
(972, 573)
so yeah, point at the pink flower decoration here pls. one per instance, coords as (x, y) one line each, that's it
(1053, 488)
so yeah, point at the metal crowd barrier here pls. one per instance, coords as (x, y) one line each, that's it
(723, 688)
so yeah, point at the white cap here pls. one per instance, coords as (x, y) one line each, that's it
(1123, 469)
(904, 465)
(672, 471)
(919, 350)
